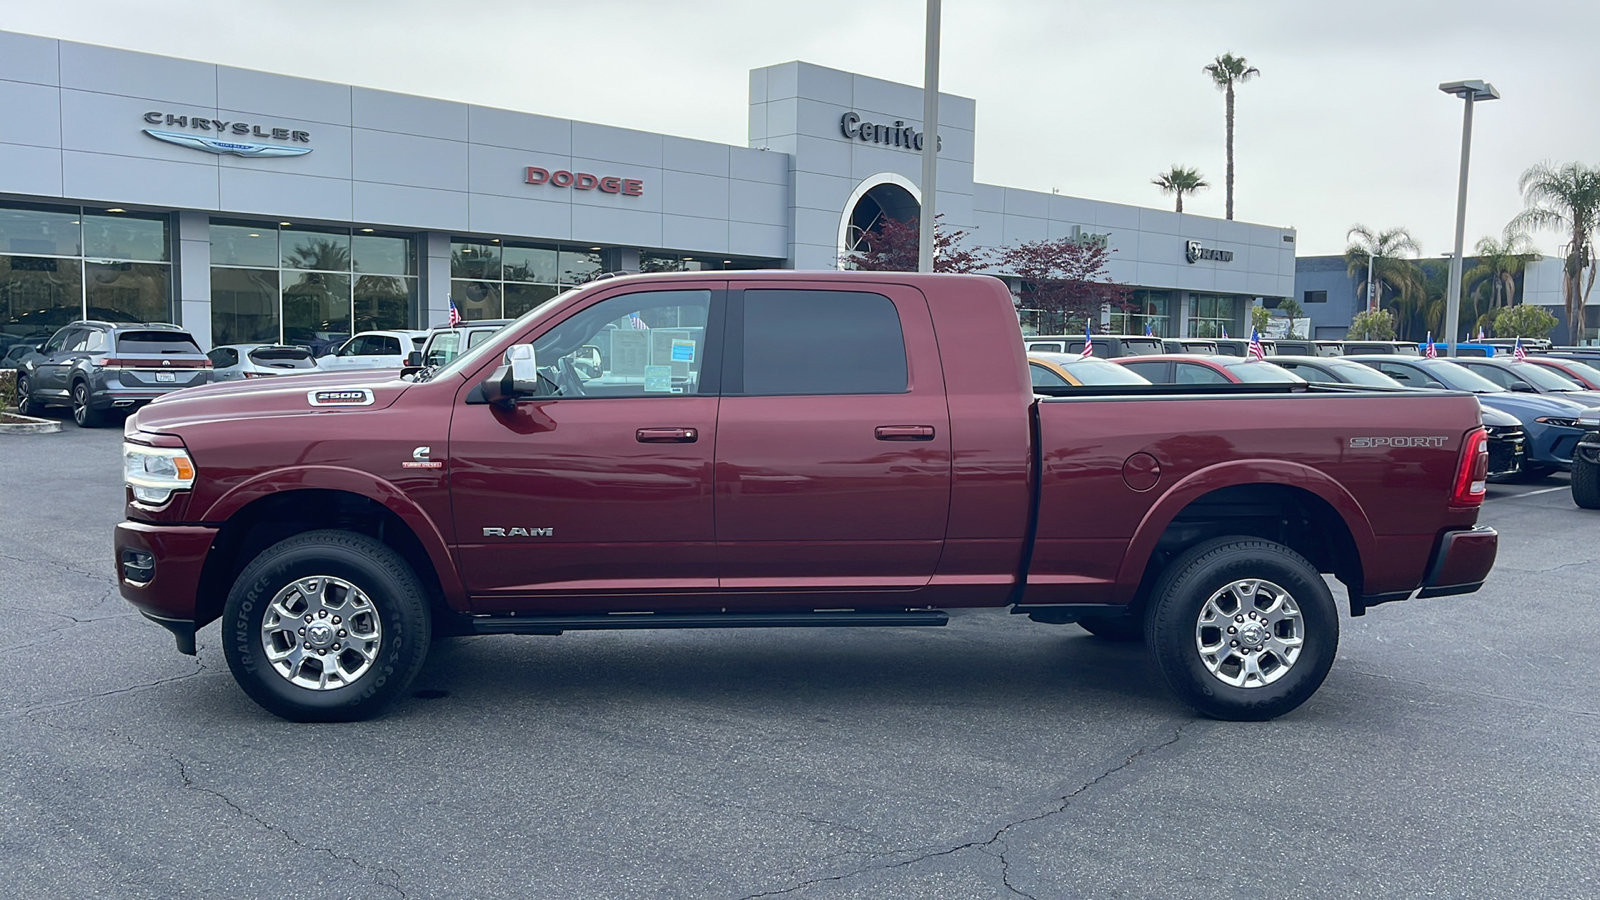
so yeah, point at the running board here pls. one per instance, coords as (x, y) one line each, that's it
(614, 621)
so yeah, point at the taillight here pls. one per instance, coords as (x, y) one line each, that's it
(1472, 471)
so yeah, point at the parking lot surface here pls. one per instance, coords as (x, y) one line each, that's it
(1451, 752)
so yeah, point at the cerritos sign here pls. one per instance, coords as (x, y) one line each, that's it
(227, 136)
(1193, 252)
(897, 135)
(583, 181)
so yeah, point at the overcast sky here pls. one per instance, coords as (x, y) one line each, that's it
(1344, 125)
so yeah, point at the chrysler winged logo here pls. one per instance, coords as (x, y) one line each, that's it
(220, 146)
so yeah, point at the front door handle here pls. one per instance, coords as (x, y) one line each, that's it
(904, 432)
(667, 435)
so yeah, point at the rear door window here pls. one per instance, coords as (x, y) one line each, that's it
(1043, 377)
(1193, 373)
(821, 342)
(223, 357)
(156, 342)
(1153, 372)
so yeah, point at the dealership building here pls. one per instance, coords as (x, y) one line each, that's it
(257, 207)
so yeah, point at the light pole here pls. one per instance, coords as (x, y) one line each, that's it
(1472, 92)
(1372, 261)
(930, 140)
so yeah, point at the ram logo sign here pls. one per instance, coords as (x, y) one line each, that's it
(519, 532)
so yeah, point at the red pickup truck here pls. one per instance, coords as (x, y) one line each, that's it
(746, 449)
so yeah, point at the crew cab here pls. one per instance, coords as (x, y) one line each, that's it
(783, 449)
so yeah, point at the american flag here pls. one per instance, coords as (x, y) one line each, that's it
(636, 323)
(1517, 350)
(1430, 352)
(1256, 350)
(455, 315)
(1148, 331)
(1088, 344)
(1224, 332)
(1480, 332)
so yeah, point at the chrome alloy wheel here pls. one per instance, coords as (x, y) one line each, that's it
(1249, 633)
(321, 633)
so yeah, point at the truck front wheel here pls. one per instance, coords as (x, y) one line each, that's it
(1242, 629)
(1585, 483)
(326, 626)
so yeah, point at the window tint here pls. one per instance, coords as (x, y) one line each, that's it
(1045, 346)
(1191, 373)
(97, 342)
(1404, 374)
(223, 357)
(58, 340)
(822, 342)
(1153, 372)
(641, 344)
(1043, 377)
(156, 342)
(78, 341)
(1493, 373)
(386, 346)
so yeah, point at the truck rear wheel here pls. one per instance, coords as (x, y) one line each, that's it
(1585, 483)
(1242, 629)
(326, 626)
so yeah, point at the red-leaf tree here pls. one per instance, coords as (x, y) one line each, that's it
(1065, 278)
(894, 246)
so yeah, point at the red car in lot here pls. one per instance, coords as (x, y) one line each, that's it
(1178, 368)
(1584, 372)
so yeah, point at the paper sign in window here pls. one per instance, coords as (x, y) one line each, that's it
(658, 379)
(683, 351)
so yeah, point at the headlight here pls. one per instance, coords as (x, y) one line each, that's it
(155, 472)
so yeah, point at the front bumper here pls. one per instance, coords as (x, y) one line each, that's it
(158, 571)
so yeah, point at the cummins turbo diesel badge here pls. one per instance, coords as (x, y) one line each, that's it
(340, 397)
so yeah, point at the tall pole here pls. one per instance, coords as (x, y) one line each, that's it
(1371, 261)
(930, 139)
(1452, 309)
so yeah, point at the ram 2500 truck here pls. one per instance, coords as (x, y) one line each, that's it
(784, 449)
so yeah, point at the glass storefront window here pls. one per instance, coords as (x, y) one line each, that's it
(477, 300)
(384, 302)
(40, 231)
(522, 297)
(316, 308)
(135, 238)
(319, 250)
(537, 264)
(127, 291)
(244, 306)
(379, 255)
(244, 245)
(1212, 316)
(471, 259)
(37, 296)
(579, 266)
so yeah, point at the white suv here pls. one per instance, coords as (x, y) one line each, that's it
(373, 350)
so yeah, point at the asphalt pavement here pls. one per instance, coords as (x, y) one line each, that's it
(1451, 752)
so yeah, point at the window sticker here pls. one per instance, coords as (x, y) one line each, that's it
(683, 351)
(658, 379)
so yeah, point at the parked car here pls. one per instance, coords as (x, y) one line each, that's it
(373, 350)
(236, 362)
(1202, 346)
(1399, 348)
(1241, 346)
(1303, 347)
(1185, 369)
(98, 367)
(878, 428)
(1583, 370)
(1551, 422)
(1106, 346)
(445, 342)
(1586, 463)
(15, 353)
(1514, 375)
(1050, 370)
(1507, 438)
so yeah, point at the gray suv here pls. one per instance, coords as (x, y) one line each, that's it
(98, 367)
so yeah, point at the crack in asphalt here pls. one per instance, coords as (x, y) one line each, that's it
(1520, 701)
(200, 669)
(985, 846)
(45, 561)
(52, 633)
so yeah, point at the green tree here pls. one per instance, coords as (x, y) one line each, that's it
(1499, 264)
(1180, 181)
(1386, 254)
(1292, 308)
(1226, 71)
(1524, 321)
(1260, 316)
(1566, 199)
(1373, 326)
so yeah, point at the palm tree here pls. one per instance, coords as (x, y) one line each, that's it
(1383, 253)
(1225, 70)
(1180, 181)
(1499, 264)
(1566, 199)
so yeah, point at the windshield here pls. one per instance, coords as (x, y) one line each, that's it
(1096, 372)
(1584, 369)
(1356, 373)
(1545, 379)
(1458, 378)
(1257, 372)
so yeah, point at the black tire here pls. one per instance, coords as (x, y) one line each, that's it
(85, 415)
(1174, 630)
(25, 404)
(1122, 629)
(389, 592)
(1586, 484)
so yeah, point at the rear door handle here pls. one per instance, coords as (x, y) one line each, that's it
(904, 432)
(667, 435)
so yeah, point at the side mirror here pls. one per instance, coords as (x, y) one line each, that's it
(1436, 385)
(518, 377)
(39, 349)
(1522, 387)
(414, 358)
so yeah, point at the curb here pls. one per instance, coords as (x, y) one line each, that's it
(29, 425)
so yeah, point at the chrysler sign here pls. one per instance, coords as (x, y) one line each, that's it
(226, 141)
(1193, 252)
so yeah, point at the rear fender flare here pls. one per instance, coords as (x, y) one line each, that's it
(352, 481)
(1231, 474)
